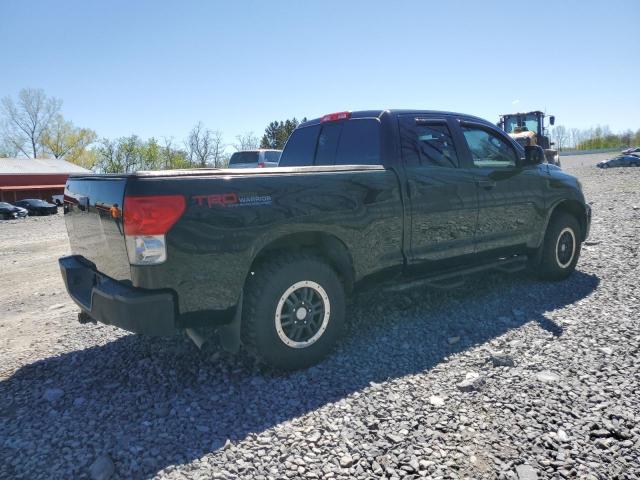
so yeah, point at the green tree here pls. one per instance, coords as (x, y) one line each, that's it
(277, 133)
(62, 140)
(122, 155)
(150, 157)
(129, 154)
(172, 157)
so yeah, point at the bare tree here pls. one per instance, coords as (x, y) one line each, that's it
(560, 136)
(26, 119)
(218, 154)
(248, 141)
(171, 156)
(7, 149)
(576, 137)
(205, 147)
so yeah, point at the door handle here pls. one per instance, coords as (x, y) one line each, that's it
(487, 184)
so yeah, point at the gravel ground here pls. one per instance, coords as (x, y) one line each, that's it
(507, 377)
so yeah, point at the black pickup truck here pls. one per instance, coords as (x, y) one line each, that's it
(268, 256)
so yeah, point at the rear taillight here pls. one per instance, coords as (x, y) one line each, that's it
(146, 221)
(153, 215)
(333, 117)
(260, 164)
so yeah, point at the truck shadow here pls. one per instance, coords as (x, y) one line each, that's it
(153, 402)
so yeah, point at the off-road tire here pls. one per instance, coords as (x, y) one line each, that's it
(263, 296)
(556, 263)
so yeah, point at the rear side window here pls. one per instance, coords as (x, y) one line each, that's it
(352, 142)
(427, 144)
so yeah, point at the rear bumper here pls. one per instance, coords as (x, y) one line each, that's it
(111, 302)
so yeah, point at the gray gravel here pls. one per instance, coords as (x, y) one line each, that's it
(554, 370)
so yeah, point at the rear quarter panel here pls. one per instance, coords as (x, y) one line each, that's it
(231, 218)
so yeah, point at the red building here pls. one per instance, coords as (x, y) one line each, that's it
(34, 178)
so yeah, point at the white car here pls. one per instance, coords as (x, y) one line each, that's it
(57, 199)
(255, 159)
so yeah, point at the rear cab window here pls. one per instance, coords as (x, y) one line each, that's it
(243, 157)
(350, 142)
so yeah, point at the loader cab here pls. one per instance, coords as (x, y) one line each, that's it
(527, 128)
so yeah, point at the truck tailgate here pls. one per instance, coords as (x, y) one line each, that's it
(93, 216)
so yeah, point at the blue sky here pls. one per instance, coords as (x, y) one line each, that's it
(156, 68)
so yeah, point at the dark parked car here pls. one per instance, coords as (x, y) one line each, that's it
(383, 198)
(35, 206)
(620, 161)
(8, 211)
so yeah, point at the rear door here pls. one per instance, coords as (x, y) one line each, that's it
(511, 198)
(441, 191)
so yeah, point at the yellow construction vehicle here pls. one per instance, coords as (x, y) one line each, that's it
(529, 129)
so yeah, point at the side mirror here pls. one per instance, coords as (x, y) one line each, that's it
(552, 120)
(533, 155)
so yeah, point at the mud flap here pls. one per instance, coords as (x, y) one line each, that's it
(229, 334)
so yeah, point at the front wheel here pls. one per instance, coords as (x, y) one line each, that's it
(561, 248)
(293, 311)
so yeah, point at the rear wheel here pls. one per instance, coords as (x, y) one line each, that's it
(561, 248)
(293, 311)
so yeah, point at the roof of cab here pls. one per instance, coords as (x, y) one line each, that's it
(380, 113)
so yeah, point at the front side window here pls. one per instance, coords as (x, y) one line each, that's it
(427, 144)
(488, 149)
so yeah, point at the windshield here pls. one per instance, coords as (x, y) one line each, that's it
(528, 121)
(243, 157)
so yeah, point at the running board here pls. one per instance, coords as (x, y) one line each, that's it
(455, 278)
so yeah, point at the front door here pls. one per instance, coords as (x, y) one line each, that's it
(442, 195)
(511, 197)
